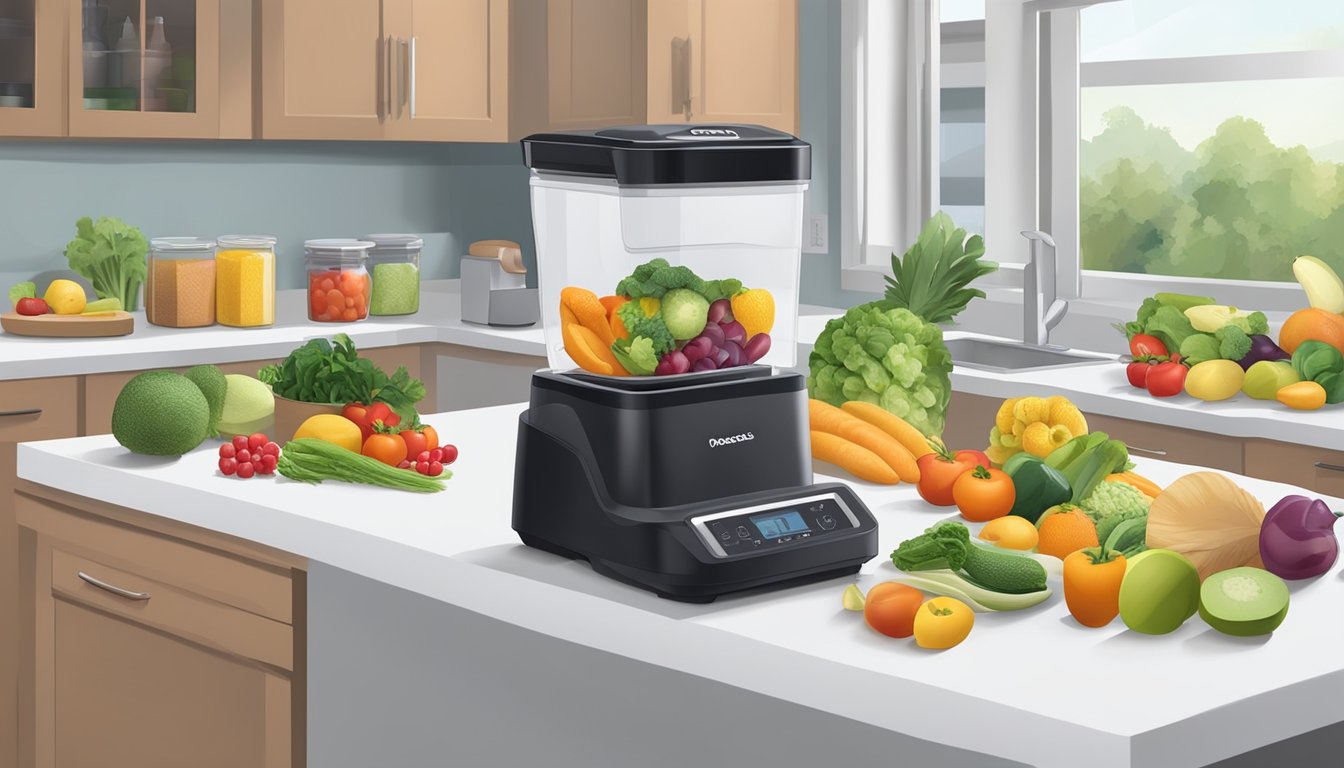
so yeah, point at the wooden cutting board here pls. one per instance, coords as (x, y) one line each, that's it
(68, 326)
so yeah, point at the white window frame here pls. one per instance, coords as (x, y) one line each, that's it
(909, 184)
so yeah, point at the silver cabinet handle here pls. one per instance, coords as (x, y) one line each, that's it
(1331, 467)
(1149, 451)
(22, 412)
(405, 74)
(387, 77)
(681, 75)
(114, 589)
(412, 76)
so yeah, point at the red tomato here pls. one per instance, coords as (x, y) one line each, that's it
(389, 449)
(1166, 379)
(31, 307)
(415, 442)
(938, 471)
(1143, 345)
(1137, 372)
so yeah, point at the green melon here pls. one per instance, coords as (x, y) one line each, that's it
(1243, 601)
(160, 413)
(213, 385)
(1159, 592)
(249, 407)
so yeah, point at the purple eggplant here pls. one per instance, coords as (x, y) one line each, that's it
(1262, 348)
(1297, 538)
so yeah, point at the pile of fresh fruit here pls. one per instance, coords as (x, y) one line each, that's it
(62, 297)
(1210, 351)
(665, 320)
(248, 455)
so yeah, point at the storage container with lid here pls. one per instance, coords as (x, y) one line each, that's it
(394, 262)
(725, 201)
(245, 280)
(180, 282)
(338, 279)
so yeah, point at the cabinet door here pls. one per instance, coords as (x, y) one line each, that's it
(453, 76)
(144, 69)
(746, 67)
(324, 69)
(32, 43)
(595, 63)
(1305, 466)
(1182, 446)
(668, 60)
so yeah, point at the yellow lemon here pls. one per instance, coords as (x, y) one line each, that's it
(755, 310)
(332, 428)
(1011, 532)
(65, 297)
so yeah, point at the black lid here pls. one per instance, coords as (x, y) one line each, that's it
(673, 154)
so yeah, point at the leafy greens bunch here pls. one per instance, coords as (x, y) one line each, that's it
(324, 371)
(110, 254)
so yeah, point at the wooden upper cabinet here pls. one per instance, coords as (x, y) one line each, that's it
(145, 68)
(724, 61)
(455, 80)
(31, 68)
(324, 69)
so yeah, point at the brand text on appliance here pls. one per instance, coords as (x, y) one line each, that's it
(715, 442)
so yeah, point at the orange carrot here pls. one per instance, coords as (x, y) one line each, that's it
(855, 459)
(1144, 485)
(1092, 585)
(914, 441)
(827, 418)
(589, 351)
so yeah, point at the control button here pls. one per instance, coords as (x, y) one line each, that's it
(816, 507)
(804, 535)
(725, 536)
(826, 522)
(786, 538)
(779, 541)
(757, 542)
(743, 532)
(717, 526)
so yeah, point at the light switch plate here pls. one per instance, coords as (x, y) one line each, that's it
(816, 237)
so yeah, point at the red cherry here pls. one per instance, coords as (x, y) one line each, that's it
(449, 454)
(436, 455)
(424, 456)
(435, 469)
(240, 442)
(268, 462)
(256, 440)
(422, 467)
(243, 456)
(228, 466)
(246, 470)
(270, 449)
(227, 451)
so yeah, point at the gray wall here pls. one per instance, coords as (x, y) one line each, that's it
(452, 194)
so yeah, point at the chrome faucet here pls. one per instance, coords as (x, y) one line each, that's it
(1038, 290)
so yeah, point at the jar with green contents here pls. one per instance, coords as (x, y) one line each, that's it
(394, 262)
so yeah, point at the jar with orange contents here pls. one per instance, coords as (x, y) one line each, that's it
(338, 280)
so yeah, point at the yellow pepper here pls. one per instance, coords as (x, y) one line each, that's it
(1037, 425)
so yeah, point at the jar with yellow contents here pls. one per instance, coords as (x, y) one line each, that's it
(245, 280)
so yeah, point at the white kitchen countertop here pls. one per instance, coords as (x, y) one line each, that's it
(1031, 686)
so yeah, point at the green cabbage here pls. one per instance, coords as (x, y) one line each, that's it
(888, 356)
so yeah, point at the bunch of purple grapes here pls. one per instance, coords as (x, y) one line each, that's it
(722, 344)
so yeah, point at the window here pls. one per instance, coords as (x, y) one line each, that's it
(1209, 137)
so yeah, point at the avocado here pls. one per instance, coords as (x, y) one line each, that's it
(1159, 592)
(160, 413)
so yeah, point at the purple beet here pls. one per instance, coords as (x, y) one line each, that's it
(1297, 538)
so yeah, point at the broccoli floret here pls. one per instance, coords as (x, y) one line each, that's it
(656, 277)
(1233, 343)
(721, 289)
(644, 317)
(1253, 324)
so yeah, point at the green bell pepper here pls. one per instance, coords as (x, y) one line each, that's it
(1038, 487)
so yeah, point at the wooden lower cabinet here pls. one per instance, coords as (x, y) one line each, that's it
(1305, 466)
(158, 646)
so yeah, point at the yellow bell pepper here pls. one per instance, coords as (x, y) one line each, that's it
(1037, 425)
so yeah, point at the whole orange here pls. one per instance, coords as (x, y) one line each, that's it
(1064, 530)
(890, 608)
(1315, 324)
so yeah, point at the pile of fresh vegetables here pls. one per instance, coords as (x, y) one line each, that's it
(664, 320)
(1191, 344)
(323, 371)
(891, 352)
(110, 254)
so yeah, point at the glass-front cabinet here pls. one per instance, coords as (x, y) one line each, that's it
(144, 68)
(30, 68)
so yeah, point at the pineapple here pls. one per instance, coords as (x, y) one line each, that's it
(891, 352)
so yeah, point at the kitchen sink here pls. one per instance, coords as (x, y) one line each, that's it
(1003, 355)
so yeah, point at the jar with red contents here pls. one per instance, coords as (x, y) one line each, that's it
(338, 280)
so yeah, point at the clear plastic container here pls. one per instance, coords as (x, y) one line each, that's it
(245, 281)
(394, 263)
(180, 282)
(338, 280)
(724, 201)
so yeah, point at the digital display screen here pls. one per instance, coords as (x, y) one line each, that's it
(773, 525)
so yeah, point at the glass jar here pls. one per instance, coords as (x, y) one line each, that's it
(245, 281)
(180, 282)
(395, 264)
(338, 280)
